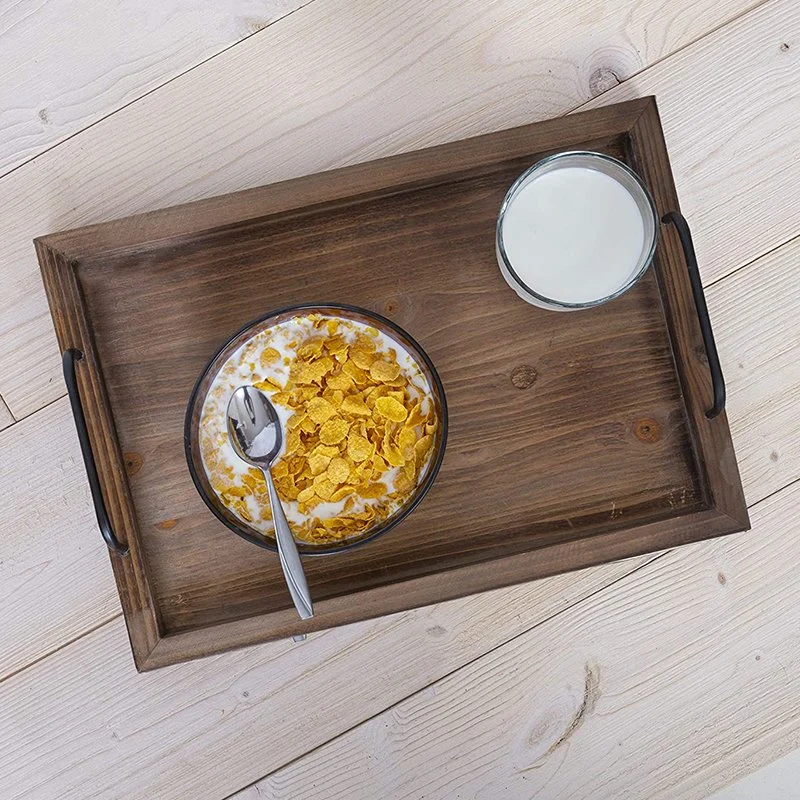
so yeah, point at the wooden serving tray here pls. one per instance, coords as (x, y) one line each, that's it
(575, 438)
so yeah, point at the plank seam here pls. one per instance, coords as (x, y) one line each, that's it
(786, 243)
(154, 89)
(55, 650)
(772, 494)
(17, 420)
(4, 406)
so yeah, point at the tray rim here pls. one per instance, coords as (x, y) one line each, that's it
(724, 508)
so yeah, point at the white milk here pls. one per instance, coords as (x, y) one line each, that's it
(574, 235)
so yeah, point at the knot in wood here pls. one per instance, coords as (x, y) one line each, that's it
(601, 80)
(523, 377)
(647, 430)
(133, 463)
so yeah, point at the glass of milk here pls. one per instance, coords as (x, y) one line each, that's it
(576, 230)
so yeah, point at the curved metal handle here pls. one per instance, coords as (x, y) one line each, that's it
(717, 379)
(69, 360)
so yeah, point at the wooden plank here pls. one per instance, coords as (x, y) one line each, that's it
(431, 167)
(360, 88)
(6, 417)
(675, 681)
(55, 583)
(165, 734)
(52, 90)
(197, 715)
(761, 365)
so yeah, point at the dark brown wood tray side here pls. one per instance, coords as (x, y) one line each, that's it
(72, 331)
(629, 387)
(713, 446)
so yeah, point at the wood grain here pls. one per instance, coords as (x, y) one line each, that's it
(361, 88)
(570, 449)
(51, 91)
(762, 369)
(584, 706)
(776, 781)
(103, 730)
(129, 571)
(54, 579)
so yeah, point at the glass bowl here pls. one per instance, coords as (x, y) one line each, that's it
(197, 399)
(609, 166)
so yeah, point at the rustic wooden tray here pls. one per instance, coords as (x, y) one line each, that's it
(574, 438)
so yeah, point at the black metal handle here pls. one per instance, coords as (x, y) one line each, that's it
(717, 379)
(69, 359)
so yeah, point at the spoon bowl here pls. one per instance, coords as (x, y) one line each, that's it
(254, 427)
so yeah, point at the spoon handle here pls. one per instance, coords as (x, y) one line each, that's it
(288, 555)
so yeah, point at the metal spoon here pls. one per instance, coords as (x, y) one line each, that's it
(256, 436)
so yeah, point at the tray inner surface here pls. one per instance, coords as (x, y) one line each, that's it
(561, 425)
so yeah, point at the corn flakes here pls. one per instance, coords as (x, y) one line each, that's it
(392, 408)
(361, 358)
(354, 404)
(358, 448)
(333, 431)
(320, 410)
(352, 370)
(268, 385)
(269, 355)
(384, 371)
(304, 495)
(338, 470)
(318, 463)
(341, 382)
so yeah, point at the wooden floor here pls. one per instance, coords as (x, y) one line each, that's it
(666, 676)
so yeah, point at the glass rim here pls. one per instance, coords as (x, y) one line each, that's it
(516, 185)
(190, 437)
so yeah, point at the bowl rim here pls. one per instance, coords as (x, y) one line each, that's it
(403, 512)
